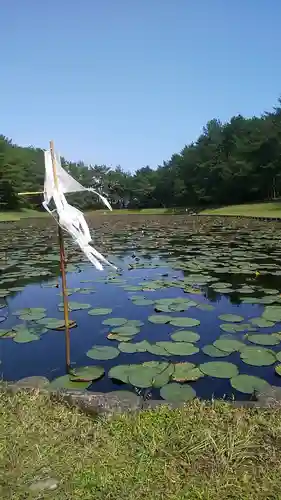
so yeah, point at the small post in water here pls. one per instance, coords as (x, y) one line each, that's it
(62, 269)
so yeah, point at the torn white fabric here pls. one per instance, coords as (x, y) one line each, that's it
(67, 216)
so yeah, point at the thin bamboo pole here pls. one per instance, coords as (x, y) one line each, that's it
(62, 269)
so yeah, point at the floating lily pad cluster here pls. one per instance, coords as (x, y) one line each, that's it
(200, 264)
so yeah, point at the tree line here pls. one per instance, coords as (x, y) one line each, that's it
(233, 162)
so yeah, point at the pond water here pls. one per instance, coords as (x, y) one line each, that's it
(195, 303)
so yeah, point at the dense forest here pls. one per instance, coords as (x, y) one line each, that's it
(234, 162)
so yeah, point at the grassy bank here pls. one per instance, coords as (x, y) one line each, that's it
(270, 209)
(28, 213)
(25, 213)
(200, 452)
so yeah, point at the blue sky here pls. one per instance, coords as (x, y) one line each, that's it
(130, 82)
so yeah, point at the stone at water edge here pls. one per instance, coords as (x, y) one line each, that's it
(32, 382)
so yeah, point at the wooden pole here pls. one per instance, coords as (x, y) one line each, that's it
(62, 269)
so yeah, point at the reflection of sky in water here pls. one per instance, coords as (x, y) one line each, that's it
(47, 356)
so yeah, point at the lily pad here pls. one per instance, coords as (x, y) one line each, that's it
(114, 321)
(249, 384)
(128, 347)
(142, 377)
(120, 372)
(278, 370)
(75, 306)
(31, 314)
(178, 348)
(99, 311)
(184, 322)
(157, 350)
(262, 322)
(86, 373)
(55, 324)
(228, 345)
(165, 370)
(143, 302)
(231, 318)
(103, 352)
(120, 338)
(65, 382)
(219, 369)
(272, 313)
(257, 356)
(264, 339)
(177, 393)
(126, 331)
(185, 336)
(159, 319)
(212, 351)
(182, 371)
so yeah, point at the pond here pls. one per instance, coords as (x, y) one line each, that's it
(195, 307)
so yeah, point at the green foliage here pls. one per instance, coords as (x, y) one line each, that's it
(232, 162)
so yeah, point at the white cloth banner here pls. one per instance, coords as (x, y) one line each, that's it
(67, 216)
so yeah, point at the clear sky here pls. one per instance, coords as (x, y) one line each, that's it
(130, 82)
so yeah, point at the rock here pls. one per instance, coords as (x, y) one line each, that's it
(29, 384)
(270, 398)
(99, 403)
(33, 382)
(44, 484)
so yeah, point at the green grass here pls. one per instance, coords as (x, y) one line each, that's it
(25, 213)
(29, 213)
(200, 452)
(270, 209)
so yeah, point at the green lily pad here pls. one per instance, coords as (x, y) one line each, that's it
(272, 313)
(231, 318)
(228, 345)
(261, 322)
(159, 319)
(177, 393)
(212, 351)
(52, 323)
(158, 350)
(165, 370)
(278, 356)
(257, 356)
(278, 370)
(264, 339)
(65, 382)
(126, 331)
(178, 348)
(184, 322)
(86, 373)
(120, 338)
(142, 377)
(249, 384)
(182, 371)
(75, 306)
(143, 302)
(219, 369)
(134, 322)
(234, 327)
(128, 347)
(24, 335)
(99, 311)
(31, 314)
(114, 321)
(103, 352)
(120, 372)
(205, 307)
(3, 332)
(185, 336)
